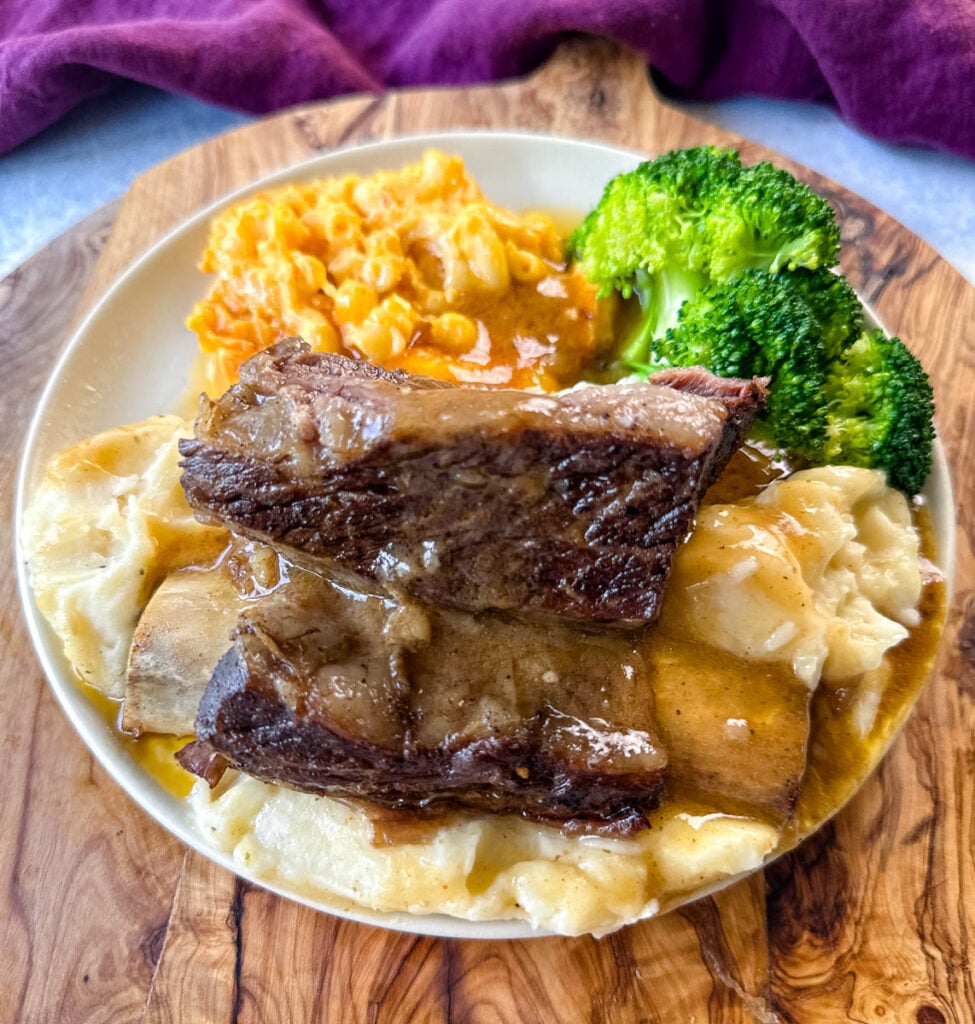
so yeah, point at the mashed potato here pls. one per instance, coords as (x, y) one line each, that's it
(819, 570)
(479, 867)
(106, 524)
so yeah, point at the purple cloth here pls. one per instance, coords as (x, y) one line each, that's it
(901, 70)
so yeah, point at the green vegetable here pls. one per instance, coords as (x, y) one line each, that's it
(765, 219)
(880, 411)
(692, 217)
(837, 394)
(730, 266)
(834, 304)
(781, 326)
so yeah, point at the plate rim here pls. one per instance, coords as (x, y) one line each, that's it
(171, 813)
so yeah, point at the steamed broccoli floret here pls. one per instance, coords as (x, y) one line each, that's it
(650, 218)
(767, 220)
(731, 269)
(880, 410)
(673, 225)
(647, 236)
(761, 325)
(837, 394)
(834, 304)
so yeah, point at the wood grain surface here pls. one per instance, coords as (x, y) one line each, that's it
(107, 918)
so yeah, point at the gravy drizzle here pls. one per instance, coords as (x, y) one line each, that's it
(839, 757)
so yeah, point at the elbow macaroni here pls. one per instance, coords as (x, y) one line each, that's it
(411, 269)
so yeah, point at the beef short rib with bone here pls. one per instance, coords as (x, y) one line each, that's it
(532, 535)
(413, 707)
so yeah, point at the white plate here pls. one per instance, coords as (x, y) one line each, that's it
(130, 359)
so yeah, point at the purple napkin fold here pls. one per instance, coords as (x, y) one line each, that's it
(901, 70)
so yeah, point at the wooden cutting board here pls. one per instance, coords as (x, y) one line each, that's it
(105, 917)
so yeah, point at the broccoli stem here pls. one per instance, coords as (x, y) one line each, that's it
(660, 296)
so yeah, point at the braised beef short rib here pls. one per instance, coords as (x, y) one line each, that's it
(329, 691)
(567, 505)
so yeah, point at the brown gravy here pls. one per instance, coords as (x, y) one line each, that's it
(839, 758)
(153, 751)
